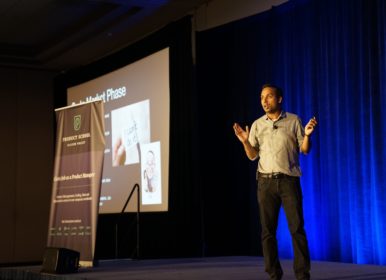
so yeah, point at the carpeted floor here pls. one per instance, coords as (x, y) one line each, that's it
(222, 268)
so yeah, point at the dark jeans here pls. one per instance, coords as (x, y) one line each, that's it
(272, 193)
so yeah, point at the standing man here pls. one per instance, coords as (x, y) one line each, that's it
(275, 140)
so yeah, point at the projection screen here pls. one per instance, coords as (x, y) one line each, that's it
(136, 100)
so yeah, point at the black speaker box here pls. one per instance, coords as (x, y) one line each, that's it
(60, 260)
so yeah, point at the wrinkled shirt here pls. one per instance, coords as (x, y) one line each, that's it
(278, 143)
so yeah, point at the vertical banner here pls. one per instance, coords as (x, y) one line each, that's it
(80, 144)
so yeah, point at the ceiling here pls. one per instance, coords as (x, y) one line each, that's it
(62, 34)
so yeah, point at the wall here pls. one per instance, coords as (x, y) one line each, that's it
(26, 123)
(219, 12)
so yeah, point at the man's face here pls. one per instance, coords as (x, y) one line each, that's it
(270, 102)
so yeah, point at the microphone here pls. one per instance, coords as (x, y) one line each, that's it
(274, 126)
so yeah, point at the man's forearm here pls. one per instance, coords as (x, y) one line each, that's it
(306, 145)
(249, 150)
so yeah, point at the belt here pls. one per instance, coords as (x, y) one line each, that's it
(275, 175)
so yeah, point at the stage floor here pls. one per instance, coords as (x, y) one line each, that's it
(222, 268)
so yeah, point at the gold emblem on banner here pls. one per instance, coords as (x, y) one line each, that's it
(77, 122)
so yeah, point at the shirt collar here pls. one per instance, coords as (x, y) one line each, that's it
(282, 116)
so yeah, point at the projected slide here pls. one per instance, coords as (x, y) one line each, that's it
(136, 101)
(150, 168)
(130, 125)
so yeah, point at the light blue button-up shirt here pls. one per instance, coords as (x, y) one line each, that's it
(278, 143)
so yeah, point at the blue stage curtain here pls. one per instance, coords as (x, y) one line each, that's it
(330, 58)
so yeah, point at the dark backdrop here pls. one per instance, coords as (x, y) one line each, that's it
(330, 58)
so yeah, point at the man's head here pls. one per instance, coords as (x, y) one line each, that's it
(271, 98)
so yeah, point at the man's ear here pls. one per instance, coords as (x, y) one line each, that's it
(280, 99)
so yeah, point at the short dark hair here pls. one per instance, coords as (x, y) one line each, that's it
(278, 90)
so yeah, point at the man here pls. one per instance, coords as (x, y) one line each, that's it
(275, 140)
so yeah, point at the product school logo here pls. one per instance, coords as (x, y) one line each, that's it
(77, 122)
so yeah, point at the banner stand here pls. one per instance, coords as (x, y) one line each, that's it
(79, 154)
(136, 187)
